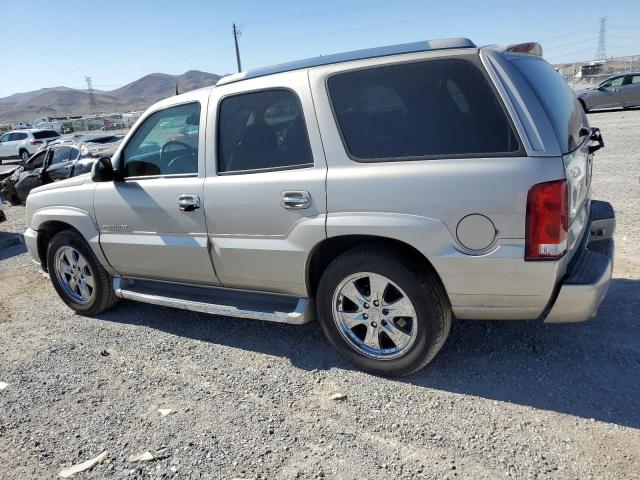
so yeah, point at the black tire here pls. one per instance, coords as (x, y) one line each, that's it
(424, 290)
(24, 155)
(14, 199)
(24, 187)
(103, 296)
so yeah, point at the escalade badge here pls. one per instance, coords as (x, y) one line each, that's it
(119, 228)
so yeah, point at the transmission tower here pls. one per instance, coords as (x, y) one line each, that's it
(92, 98)
(601, 51)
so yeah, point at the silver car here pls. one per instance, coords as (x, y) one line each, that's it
(615, 92)
(383, 192)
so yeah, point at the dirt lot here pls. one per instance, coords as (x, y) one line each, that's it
(253, 400)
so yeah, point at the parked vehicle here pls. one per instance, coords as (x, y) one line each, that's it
(24, 143)
(57, 161)
(615, 92)
(383, 191)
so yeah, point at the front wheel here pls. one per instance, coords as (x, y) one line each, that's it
(381, 312)
(24, 155)
(81, 282)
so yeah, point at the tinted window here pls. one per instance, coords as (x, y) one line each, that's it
(635, 79)
(262, 130)
(166, 143)
(18, 136)
(62, 154)
(614, 82)
(45, 134)
(557, 99)
(422, 109)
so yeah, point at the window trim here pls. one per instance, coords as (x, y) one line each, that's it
(475, 61)
(121, 160)
(218, 154)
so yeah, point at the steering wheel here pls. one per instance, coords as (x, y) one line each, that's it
(175, 148)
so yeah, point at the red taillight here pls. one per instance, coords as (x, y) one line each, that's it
(532, 48)
(35, 142)
(547, 221)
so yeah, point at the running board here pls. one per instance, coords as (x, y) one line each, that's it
(217, 301)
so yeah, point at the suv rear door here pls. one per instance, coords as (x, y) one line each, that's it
(265, 198)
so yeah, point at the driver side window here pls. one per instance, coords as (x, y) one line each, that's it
(166, 143)
(616, 82)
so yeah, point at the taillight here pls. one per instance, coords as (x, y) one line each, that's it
(35, 142)
(547, 221)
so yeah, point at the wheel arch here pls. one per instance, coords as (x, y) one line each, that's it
(330, 248)
(45, 233)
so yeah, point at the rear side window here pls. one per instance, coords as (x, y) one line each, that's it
(18, 136)
(45, 134)
(635, 79)
(560, 104)
(437, 108)
(262, 131)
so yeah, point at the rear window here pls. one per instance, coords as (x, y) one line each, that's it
(45, 134)
(436, 108)
(563, 109)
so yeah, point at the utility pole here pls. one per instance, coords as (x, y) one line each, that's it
(92, 99)
(601, 51)
(236, 34)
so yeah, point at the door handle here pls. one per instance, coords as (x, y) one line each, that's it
(188, 202)
(296, 199)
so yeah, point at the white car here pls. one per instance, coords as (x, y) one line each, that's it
(24, 143)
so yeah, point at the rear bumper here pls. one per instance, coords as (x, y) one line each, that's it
(589, 272)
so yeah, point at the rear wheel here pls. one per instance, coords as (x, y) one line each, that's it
(382, 313)
(82, 283)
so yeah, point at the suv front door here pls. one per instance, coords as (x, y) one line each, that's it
(151, 222)
(265, 198)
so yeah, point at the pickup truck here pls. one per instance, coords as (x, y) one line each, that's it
(383, 192)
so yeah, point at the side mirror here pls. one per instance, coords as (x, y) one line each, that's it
(602, 88)
(102, 171)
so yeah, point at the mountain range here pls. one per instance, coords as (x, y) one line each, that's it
(137, 95)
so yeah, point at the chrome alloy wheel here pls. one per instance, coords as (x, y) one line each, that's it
(375, 316)
(74, 275)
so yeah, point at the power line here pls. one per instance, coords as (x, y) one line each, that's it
(570, 44)
(568, 34)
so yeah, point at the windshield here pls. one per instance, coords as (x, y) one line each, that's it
(563, 109)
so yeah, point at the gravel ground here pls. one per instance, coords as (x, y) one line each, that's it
(254, 400)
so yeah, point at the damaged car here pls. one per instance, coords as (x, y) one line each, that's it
(56, 162)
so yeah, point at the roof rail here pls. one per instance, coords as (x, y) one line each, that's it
(413, 47)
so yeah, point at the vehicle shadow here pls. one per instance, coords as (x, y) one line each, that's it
(11, 244)
(588, 370)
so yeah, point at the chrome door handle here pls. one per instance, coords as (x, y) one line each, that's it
(188, 202)
(297, 199)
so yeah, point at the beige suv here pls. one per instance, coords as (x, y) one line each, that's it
(383, 192)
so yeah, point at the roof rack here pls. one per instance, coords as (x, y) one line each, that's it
(413, 47)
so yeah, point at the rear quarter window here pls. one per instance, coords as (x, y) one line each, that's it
(427, 109)
(558, 101)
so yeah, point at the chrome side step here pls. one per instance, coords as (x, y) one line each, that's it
(217, 301)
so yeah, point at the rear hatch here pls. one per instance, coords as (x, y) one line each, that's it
(572, 130)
